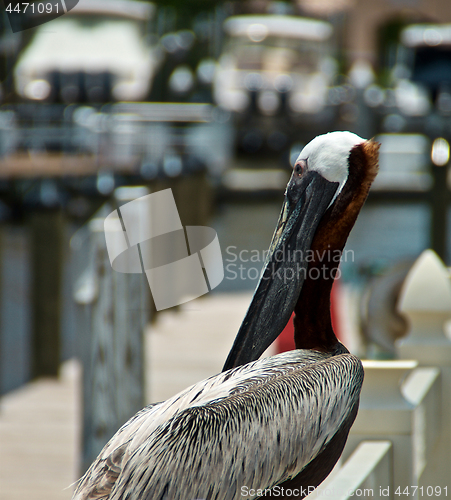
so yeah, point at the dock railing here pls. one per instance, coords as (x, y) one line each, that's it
(112, 313)
(400, 443)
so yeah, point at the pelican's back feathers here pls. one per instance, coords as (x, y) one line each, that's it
(219, 435)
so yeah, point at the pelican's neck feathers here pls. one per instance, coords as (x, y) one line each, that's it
(312, 323)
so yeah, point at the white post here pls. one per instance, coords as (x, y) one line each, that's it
(426, 302)
(423, 390)
(385, 414)
(366, 474)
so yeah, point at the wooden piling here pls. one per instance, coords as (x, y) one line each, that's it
(47, 228)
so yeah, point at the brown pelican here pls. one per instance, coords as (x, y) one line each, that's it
(277, 423)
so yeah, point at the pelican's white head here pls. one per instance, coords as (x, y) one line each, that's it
(328, 155)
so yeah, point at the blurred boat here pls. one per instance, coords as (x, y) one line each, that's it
(98, 52)
(274, 74)
(418, 96)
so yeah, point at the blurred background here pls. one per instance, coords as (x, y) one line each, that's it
(215, 100)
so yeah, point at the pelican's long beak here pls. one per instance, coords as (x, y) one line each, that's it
(306, 200)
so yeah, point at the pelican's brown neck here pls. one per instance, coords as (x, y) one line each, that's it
(312, 322)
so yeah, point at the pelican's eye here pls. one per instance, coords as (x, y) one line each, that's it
(300, 167)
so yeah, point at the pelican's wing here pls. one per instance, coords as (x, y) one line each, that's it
(102, 475)
(260, 426)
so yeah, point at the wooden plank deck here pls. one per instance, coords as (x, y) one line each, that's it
(39, 423)
(39, 428)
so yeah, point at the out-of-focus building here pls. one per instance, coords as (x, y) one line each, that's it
(362, 25)
(364, 21)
